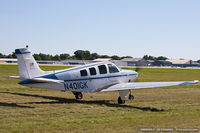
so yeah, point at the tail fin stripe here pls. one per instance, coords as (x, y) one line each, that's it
(17, 51)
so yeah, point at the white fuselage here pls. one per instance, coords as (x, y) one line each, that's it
(87, 78)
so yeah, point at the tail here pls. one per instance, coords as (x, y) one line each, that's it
(28, 67)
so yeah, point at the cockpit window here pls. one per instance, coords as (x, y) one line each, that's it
(117, 67)
(92, 71)
(102, 69)
(83, 73)
(112, 68)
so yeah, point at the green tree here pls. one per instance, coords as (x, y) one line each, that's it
(82, 55)
(126, 57)
(37, 57)
(79, 54)
(148, 57)
(2, 55)
(94, 56)
(115, 57)
(104, 56)
(13, 55)
(86, 55)
(64, 56)
(72, 57)
(9, 56)
(56, 57)
(45, 57)
(161, 58)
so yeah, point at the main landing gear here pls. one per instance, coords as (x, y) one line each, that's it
(120, 101)
(123, 96)
(130, 97)
(78, 95)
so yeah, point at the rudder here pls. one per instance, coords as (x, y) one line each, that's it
(27, 66)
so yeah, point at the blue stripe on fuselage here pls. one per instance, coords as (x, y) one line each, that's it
(101, 77)
(27, 81)
(50, 76)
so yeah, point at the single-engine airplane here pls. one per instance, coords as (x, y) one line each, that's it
(94, 77)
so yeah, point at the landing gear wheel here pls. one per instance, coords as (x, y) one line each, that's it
(120, 101)
(131, 97)
(78, 95)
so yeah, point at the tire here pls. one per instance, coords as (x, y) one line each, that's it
(78, 95)
(131, 97)
(120, 101)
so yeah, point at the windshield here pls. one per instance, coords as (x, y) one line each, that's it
(114, 68)
(118, 67)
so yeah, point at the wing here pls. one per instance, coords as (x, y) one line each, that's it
(140, 85)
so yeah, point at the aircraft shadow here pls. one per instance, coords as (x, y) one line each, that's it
(59, 100)
(14, 105)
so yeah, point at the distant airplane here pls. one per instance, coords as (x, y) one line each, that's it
(94, 77)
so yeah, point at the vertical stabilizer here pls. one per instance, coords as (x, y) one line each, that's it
(28, 67)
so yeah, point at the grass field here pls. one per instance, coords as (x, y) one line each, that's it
(25, 109)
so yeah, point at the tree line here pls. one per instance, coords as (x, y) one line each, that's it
(149, 57)
(78, 55)
(81, 55)
(8, 56)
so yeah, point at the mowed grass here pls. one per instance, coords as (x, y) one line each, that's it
(24, 109)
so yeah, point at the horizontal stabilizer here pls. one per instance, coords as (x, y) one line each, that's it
(45, 80)
(140, 85)
(40, 80)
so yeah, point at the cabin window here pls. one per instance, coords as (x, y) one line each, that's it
(112, 68)
(83, 73)
(92, 71)
(102, 69)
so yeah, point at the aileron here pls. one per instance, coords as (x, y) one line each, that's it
(140, 85)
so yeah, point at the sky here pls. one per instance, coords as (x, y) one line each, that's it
(134, 28)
